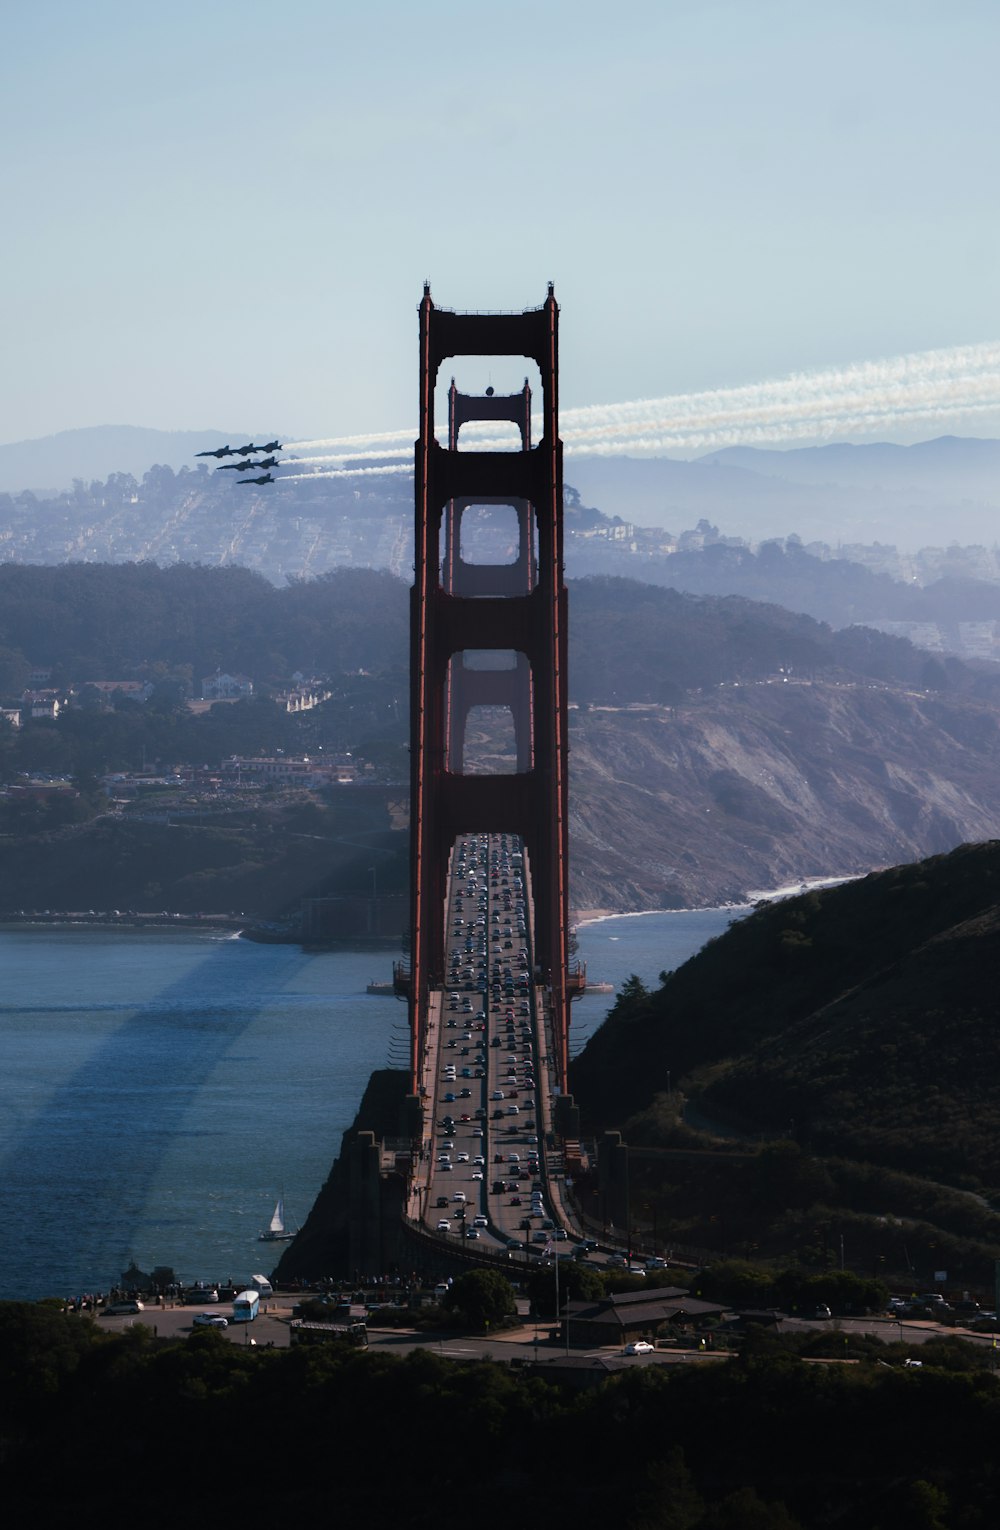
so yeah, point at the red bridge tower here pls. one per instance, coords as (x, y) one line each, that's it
(459, 608)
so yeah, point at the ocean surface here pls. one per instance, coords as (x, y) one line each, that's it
(160, 1089)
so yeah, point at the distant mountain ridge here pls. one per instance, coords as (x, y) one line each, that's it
(864, 493)
(50, 463)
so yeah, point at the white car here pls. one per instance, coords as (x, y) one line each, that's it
(640, 1347)
(444, 1225)
(209, 1320)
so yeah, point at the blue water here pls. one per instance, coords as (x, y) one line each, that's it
(159, 1090)
(643, 944)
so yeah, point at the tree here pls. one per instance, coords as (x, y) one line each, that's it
(576, 1283)
(484, 1297)
(632, 999)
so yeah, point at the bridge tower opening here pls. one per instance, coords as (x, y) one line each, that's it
(460, 607)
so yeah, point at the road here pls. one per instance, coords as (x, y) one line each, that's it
(486, 1072)
(527, 1343)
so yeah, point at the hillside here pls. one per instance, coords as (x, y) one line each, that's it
(260, 861)
(767, 783)
(718, 745)
(860, 1023)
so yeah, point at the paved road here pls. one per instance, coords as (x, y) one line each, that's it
(486, 1073)
(528, 1342)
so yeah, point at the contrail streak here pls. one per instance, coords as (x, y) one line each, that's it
(922, 388)
(365, 472)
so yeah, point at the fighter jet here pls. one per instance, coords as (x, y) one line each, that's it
(265, 462)
(270, 446)
(264, 478)
(223, 451)
(244, 451)
(235, 467)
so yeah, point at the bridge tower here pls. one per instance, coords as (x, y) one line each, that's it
(460, 608)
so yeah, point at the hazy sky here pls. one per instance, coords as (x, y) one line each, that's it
(221, 214)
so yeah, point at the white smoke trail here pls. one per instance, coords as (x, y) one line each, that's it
(927, 387)
(365, 472)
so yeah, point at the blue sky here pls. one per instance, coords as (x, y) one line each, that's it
(221, 215)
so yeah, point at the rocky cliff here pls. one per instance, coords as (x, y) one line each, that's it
(759, 785)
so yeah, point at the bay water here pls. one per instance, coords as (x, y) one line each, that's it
(160, 1089)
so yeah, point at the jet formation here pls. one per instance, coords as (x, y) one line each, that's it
(244, 452)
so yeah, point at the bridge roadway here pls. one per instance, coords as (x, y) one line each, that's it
(488, 1174)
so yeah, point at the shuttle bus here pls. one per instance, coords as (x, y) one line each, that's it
(246, 1305)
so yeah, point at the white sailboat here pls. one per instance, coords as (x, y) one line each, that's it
(276, 1230)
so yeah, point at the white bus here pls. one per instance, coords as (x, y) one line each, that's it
(246, 1305)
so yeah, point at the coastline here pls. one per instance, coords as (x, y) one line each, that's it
(123, 924)
(788, 890)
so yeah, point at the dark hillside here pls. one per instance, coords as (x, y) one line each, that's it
(638, 642)
(863, 1020)
(629, 641)
(901, 1070)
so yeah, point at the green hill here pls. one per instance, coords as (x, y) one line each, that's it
(854, 1031)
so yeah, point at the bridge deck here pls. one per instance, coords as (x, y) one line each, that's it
(488, 1172)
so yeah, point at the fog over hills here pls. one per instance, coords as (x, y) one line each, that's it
(872, 493)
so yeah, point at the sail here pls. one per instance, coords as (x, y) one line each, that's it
(277, 1224)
